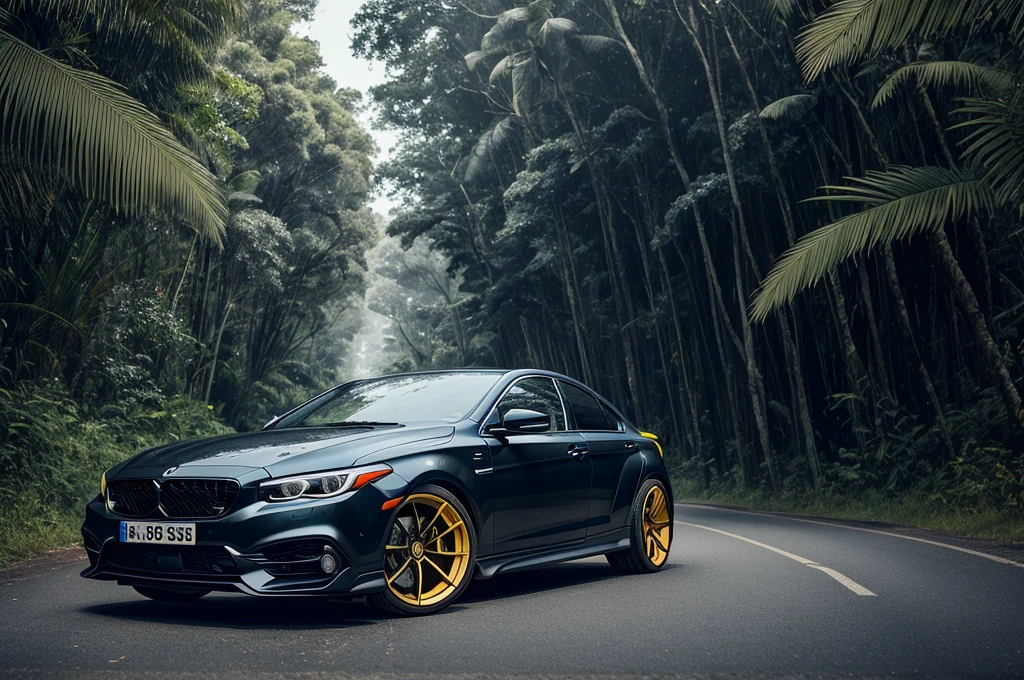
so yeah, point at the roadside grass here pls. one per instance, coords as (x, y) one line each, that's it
(30, 528)
(52, 455)
(914, 510)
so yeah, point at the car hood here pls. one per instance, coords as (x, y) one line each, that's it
(280, 452)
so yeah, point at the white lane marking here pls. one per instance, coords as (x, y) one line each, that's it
(844, 580)
(994, 558)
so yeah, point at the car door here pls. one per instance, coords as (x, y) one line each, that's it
(610, 445)
(541, 479)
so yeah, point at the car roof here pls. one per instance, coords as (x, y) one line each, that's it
(512, 372)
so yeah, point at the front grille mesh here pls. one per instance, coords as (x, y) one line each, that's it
(131, 557)
(190, 559)
(176, 498)
(295, 551)
(191, 498)
(132, 497)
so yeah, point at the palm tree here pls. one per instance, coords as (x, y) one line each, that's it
(84, 125)
(537, 52)
(901, 202)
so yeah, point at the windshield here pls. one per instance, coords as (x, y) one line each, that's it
(446, 397)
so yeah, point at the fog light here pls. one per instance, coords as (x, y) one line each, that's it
(328, 563)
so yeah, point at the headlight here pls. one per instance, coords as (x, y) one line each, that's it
(321, 484)
(103, 485)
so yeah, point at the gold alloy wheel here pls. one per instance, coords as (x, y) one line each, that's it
(657, 529)
(427, 556)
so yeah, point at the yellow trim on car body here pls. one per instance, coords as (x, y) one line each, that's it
(654, 438)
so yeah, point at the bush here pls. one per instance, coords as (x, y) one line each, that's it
(52, 455)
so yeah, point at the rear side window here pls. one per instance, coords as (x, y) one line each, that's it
(589, 414)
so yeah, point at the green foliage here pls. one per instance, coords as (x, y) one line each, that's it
(134, 348)
(793, 106)
(934, 74)
(851, 30)
(105, 141)
(53, 454)
(996, 144)
(901, 202)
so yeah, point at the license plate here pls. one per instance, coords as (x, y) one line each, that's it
(169, 533)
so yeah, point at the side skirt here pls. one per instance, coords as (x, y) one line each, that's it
(503, 564)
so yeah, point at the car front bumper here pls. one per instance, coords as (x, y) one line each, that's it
(258, 548)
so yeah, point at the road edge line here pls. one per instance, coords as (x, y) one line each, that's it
(836, 523)
(845, 581)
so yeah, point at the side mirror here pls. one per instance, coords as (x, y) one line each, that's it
(521, 421)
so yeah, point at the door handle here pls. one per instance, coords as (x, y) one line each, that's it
(578, 451)
(631, 446)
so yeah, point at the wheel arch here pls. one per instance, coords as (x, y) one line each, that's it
(654, 468)
(452, 486)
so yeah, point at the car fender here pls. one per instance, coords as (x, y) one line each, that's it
(625, 492)
(451, 468)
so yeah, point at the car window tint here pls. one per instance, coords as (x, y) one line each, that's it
(443, 396)
(535, 394)
(588, 412)
(610, 415)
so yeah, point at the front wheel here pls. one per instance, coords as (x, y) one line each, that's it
(650, 532)
(429, 556)
(161, 595)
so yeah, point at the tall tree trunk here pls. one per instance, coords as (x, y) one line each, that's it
(755, 380)
(802, 410)
(720, 317)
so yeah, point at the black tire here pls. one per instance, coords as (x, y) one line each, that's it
(161, 595)
(390, 600)
(637, 559)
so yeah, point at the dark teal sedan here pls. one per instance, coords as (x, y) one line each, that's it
(400, 489)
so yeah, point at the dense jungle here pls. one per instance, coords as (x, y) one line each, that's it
(786, 235)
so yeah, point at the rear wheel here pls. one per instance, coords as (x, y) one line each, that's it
(650, 532)
(428, 559)
(161, 595)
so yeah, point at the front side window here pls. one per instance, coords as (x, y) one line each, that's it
(535, 394)
(590, 415)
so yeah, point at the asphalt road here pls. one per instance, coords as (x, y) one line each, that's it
(743, 595)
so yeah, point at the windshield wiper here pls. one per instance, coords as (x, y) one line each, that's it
(355, 423)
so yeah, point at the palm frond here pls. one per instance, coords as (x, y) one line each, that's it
(473, 59)
(497, 139)
(510, 25)
(503, 69)
(107, 143)
(996, 144)
(1006, 14)
(793, 106)
(944, 73)
(850, 30)
(900, 203)
(595, 46)
(783, 8)
(552, 32)
(169, 23)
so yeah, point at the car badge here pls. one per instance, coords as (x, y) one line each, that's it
(169, 471)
